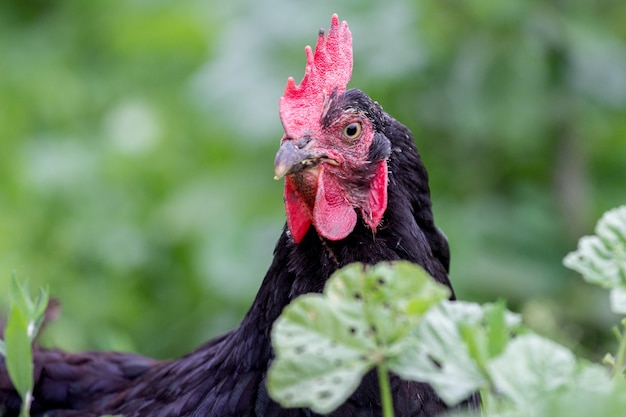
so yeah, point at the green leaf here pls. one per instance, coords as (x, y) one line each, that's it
(39, 313)
(453, 346)
(617, 297)
(22, 326)
(592, 377)
(321, 353)
(33, 310)
(41, 303)
(442, 358)
(530, 367)
(498, 332)
(325, 343)
(20, 297)
(601, 258)
(18, 352)
(591, 393)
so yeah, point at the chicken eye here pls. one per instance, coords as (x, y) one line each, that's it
(353, 130)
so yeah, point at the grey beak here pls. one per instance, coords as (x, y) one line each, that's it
(290, 159)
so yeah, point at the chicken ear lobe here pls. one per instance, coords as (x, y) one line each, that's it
(298, 214)
(333, 215)
(377, 197)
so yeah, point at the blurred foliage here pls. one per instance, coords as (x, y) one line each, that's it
(137, 140)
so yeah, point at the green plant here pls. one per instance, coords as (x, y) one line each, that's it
(25, 320)
(325, 343)
(601, 259)
(394, 317)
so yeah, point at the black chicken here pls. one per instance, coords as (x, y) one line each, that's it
(353, 174)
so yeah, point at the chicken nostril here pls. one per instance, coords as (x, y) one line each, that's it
(303, 141)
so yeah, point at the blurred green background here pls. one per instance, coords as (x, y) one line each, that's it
(137, 140)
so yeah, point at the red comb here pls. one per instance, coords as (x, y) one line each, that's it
(329, 69)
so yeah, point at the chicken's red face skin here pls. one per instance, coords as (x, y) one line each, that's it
(330, 187)
(330, 179)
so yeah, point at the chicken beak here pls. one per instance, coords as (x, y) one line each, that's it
(290, 159)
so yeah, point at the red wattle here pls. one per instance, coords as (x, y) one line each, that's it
(377, 197)
(298, 214)
(333, 216)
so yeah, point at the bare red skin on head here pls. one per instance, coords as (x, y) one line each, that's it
(321, 196)
(318, 196)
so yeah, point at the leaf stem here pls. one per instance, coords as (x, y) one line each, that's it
(26, 401)
(486, 401)
(385, 390)
(621, 354)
